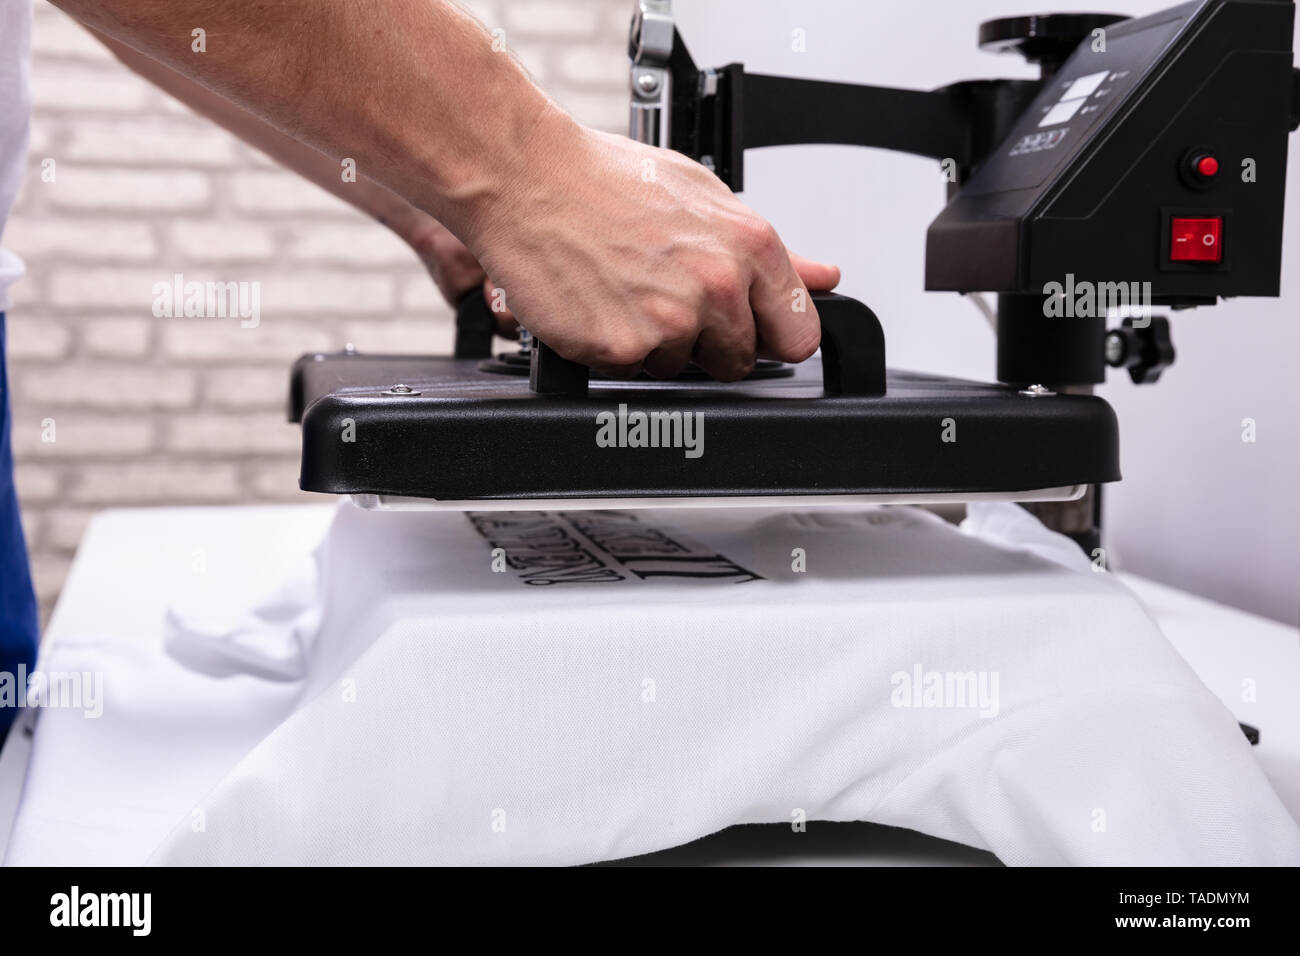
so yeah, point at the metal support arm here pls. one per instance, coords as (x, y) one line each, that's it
(714, 115)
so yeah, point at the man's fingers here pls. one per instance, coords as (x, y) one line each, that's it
(454, 269)
(507, 324)
(619, 371)
(667, 360)
(784, 314)
(817, 276)
(496, 300)
(461, 271)
(507, 327)
(724, 355)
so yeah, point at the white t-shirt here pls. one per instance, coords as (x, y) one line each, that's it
(15, 120)
(630, 681)
(399, 700)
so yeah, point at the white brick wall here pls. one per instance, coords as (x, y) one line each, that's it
(152, 411)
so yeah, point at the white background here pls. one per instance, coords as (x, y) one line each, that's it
(1198, 508)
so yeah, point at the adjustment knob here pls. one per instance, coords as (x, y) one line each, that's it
(1046, 39)
(1145, 352)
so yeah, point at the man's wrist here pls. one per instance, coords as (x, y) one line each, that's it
(523, 170)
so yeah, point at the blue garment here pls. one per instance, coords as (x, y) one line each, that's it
(19, 625)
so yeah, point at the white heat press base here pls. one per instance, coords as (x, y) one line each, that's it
(401, 503)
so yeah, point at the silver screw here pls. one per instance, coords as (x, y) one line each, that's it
(1037, 391)
(399, 389)
(1114, 349)
(349, 349)
(647, 84)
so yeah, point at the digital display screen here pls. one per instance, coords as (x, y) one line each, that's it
(1091, 84)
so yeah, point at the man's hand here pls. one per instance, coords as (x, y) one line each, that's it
(454, 269)
(622, 256)
(616, 254)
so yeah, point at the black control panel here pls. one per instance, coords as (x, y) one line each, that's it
(1059, 124)
(1155, 153)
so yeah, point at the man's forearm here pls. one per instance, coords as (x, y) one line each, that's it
(616, 254)
(364, 193)
(413, 90)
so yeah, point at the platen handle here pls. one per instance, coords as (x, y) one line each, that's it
(475, 326)
(853, 354)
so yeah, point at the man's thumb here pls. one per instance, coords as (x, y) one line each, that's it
(817, 276)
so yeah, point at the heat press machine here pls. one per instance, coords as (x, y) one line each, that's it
(1150, 154)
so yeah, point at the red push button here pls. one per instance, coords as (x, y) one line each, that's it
(1196, 240)
(1207, 166)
